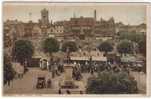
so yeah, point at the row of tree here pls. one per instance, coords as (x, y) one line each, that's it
(135, 38)
(123, 47)
(51, 45)
(23, 49)
(125, 44)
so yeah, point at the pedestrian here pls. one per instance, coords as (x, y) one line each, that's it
(49, 83)
(62, 70)
(9, 77)
(25, 66)
(68, 92)
(56, 69)
(81, 92)
(59, 92)
(47, 63)
(8, 81)
(92, 71)
(49, 67)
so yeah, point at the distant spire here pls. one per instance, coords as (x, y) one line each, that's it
(74, 15)
(30, 15)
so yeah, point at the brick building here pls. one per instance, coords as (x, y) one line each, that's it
(75, 28)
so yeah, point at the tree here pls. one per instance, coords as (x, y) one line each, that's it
(142, 47)
(142, 50)
(105, 46)
(70, 45)
(109, 82)
(125, 47)
(50, 45)
(133, 36)
(23, 50)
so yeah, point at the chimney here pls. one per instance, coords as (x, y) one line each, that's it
(95, 14)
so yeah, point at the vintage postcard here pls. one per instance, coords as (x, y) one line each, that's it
(64, 48)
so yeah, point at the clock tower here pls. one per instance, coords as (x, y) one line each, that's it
(44, 20)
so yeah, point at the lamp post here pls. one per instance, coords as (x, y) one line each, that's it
(68, 54)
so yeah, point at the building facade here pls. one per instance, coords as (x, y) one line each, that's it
(81, 28)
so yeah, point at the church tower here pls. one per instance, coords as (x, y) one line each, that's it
(44, 17)
(44, 20)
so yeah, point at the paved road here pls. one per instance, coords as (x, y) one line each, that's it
(141, 80)
(27, 84)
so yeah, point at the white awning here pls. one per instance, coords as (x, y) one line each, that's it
(99, 58)
(87, 58)
(80, 58)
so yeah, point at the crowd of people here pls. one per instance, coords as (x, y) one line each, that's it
(56, 67)
(14, 70)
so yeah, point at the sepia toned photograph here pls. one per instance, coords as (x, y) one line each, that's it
(74, 48)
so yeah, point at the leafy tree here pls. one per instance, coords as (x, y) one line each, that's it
(123, 35)
(142, 47)
(109, 82)
(50, 45)
(70, 45)
(125, 47)
(23, 50)
(133, 36)
(105, 46)
(142, 50)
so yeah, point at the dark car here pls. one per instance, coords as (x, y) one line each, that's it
(41, 83)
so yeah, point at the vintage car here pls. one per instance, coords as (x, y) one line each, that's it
(69, 85)
(137, 67)
(41, 83)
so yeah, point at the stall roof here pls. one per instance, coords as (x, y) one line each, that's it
(99, 58)
(87, 58)
(79, 58)
(128, 59)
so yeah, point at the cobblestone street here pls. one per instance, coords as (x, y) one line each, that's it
(27, 84)
(141, 80)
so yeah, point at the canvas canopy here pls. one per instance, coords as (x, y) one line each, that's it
(87, 58)
(128, 59)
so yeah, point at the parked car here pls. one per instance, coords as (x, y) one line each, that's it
(41, 83)
(137, 67)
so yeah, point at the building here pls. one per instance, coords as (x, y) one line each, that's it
(56, 30)
(82, 27)
(36, 31)
(28, 29)
(7, 37)
(85, 29)
(12, 31)
(105, 28)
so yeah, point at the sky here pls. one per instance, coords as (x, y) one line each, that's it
(128, 13)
